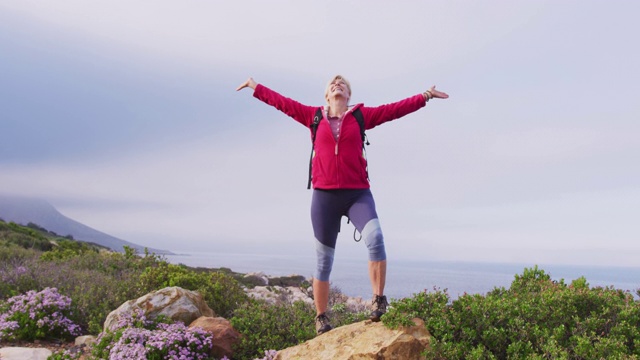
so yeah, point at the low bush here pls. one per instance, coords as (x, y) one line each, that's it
(25, 237)
(341, 312)
(15, 270)
(66, 249)
(98, 283)
(265, 327)
(536, 318)
(291, 280)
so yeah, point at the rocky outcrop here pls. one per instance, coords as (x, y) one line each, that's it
(257, 278)
(361, 341)
(279, 294)
(291, 294)
(224, 335)
(175, 303)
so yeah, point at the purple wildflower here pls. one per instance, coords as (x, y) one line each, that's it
(269, 355)
(38, 315)
(131, 340)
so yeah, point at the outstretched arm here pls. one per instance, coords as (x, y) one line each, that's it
(375, 116)
(301, 113)
(250, 83)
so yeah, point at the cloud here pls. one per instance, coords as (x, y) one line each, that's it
(124, 116)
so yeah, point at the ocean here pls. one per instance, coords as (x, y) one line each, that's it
(407, 277)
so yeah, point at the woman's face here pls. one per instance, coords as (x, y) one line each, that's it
(338, 88)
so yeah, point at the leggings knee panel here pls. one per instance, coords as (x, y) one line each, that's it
(324, 261)
(372, 234)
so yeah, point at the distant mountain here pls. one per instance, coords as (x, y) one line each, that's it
(22, 210)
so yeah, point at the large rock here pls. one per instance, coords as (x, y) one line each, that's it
(18, 353)
(224, 335)
(175, 303)
(361, 341)
(86, 340)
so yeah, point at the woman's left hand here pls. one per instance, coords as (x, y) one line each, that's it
(438, 94)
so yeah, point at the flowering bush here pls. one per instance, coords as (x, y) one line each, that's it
(136, 337)
(37, 315)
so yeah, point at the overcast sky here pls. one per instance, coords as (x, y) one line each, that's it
(124, 115)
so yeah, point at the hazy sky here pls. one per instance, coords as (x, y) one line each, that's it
(124, 115)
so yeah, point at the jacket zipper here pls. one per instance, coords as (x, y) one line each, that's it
(337, 142)
(336, 157)
(336, 148)
(340, 130)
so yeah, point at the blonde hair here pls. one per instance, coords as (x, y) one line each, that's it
(337, 77)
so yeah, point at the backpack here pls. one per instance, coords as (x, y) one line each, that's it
(314, 127)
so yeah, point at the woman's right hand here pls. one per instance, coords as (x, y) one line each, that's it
(249, 83)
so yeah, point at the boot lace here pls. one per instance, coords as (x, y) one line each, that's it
(380, 303)
(322, 320)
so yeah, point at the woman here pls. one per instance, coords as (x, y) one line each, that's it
(340, 181)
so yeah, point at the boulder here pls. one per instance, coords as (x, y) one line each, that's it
(224, 335)
(363, 340)
(18, 353)
(85, 340)
(175, 303)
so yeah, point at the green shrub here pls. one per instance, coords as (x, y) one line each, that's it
(25, 237)
(341, 315)
(429, 306)
(292, 280)
(220, 291)
(66, 249)
(224, 294)
(265, 327)
(536, 318)
(339, 312)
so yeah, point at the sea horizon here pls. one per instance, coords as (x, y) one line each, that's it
(407, 277)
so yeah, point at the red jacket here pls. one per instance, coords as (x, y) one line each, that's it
(339, 164)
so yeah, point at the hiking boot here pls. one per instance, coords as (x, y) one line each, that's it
(379, 305)
(322, 324)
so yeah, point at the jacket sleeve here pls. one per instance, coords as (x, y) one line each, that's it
(299, 112)
(374, 116)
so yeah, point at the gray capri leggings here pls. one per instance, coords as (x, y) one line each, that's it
(327, 209)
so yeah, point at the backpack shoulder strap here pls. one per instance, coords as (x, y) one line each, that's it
(365, 140)
(314, 128)
(314, 125)
(358, 115)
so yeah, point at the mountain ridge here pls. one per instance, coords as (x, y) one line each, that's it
(24, 210)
